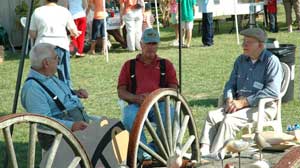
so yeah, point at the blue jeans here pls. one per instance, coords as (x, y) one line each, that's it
(129, 115)
(207, 29)
(273, 22)
(63, 67)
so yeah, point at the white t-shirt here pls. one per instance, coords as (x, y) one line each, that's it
(50, 23)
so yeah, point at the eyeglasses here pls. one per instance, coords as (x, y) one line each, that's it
(247, 42)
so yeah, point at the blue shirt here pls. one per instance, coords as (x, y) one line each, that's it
(36, 100)
(255, 80)
(76, 8)
(207, 6)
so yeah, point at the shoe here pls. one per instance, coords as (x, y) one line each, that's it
(108, 44)
(290, 29)
(78, 55)
(104, 52)
(212, 156)
(204, 161)
(175, 43)
(186, 46)
(207, 45)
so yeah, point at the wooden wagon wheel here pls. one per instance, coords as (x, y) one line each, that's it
(290, 159)
(173, 135)
(33, 120)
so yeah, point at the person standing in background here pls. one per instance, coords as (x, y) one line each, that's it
(272, 12)
(148, 17)
(48, 25)
(77, 9)
(207, 23)
(174, 21)
(188, 9)
(131, 13)
(288, 4)
(112, 7)
(98, 27)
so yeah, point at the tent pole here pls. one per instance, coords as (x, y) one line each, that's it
(20, 71)
(236, 23)
(106, 35)
(156, 13)
(22, 60)
(180, 43)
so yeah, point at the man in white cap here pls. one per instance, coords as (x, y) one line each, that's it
(256, 74)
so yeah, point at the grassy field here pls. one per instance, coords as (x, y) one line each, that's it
(204, 73)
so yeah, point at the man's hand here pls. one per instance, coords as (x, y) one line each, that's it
(235, 105)
(79, 126)
(77, 33)
(82, 93)
(140, 98)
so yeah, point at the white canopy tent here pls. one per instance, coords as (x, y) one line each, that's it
(232, 7)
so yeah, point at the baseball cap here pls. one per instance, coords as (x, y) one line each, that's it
(150, 36)
(256, 33)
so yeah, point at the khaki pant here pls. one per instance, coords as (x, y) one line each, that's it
(288, 4)
(220, 127)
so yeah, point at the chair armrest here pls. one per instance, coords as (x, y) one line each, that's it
(221, 100)
(261, 112)
(263, 101)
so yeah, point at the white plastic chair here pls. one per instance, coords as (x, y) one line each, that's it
(276, 123)
(30, 41)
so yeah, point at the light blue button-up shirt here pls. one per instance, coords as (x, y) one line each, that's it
(36, 100)
(255, 80)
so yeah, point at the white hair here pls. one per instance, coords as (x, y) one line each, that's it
(40, 52)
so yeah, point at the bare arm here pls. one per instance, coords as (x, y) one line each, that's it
(32, 34)
(174, 86)
(81, 93)
(90, 6)
(75, 32)
(122, 12)
(129, 97)
(84, 4)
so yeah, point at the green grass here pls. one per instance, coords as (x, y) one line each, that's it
(204, 73)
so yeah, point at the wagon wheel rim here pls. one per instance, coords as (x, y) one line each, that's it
(171, 139)
(81, 159)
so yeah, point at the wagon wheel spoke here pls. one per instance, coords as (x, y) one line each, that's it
(182, 130)
(32, 145)
(175, 131)
(156, 139)
(53, 150)
(10, 146)
(187, 145)
(168, 123)
(161, 127)
(152, 153)
(74, 162)
(176, 126)
(32, 120)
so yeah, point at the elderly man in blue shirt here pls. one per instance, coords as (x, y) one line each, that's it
(256, 74)
(64, 105)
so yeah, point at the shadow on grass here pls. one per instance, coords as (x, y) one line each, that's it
(203, 102)
(21, 150)
(10, 56)
(4, 113)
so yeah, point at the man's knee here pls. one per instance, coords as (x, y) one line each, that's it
(214, 114)
(228, 120)
(129, 115)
